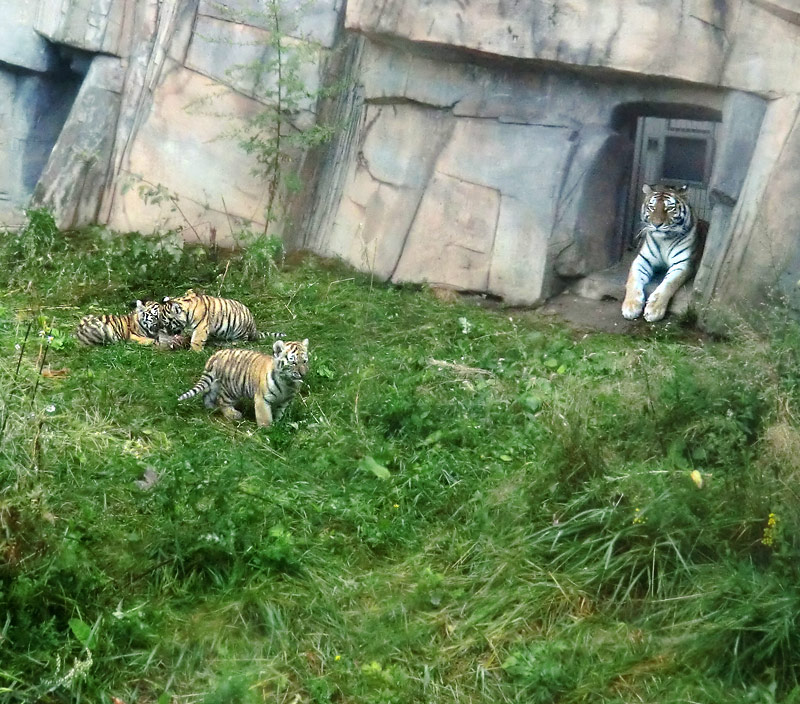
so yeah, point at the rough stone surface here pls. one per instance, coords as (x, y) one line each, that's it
(77, 169)
(314, 22)
(670, 38)
(20, 45)
(481, 145)
(91, 25)
(742, 115)
(758, 253)
(179, 150)
(210, 54)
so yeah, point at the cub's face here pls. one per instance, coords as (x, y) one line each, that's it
(291, 358)
(172, 316)
(147, 314)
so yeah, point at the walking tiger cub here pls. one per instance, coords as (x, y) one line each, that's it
(271, 381)
(140, 325)
(670, 243)
(210, 316)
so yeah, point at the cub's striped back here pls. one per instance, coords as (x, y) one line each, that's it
(140, 325)
(670, 243)
(210, 316)
(270, 381)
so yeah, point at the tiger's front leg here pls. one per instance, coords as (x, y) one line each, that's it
(263, 412)
(638, 276)
(657, 304)
(199, 337)
(142, 340)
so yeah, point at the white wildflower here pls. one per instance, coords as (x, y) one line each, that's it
(466, 326)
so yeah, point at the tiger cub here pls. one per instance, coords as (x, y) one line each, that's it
(210, 316)
(670, 244)
(271, 381)
(140, 325)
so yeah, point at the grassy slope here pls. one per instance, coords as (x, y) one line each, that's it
(538, 538)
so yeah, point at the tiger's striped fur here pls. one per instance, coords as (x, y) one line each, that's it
(140, 325)
(210, 316)
(670, 243)
(271, 381)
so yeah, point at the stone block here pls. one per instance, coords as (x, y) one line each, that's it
(310, 20)
(241, 57)
(386, 184)
(93, 25)
(742, 115)
(451, 242)
(188, 153)
(763, 53)
(20, 45)
(628, 35)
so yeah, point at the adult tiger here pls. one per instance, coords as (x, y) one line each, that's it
(140, 325)
(670, 243)
(271, 381)
(210, 316)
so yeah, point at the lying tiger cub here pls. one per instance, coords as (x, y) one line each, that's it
(271, 381)
(141, 325)
(210, 316)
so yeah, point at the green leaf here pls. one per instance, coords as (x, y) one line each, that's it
(532, 403)
(83, 632)
(163, 699)
(551, 363)
(369, 464)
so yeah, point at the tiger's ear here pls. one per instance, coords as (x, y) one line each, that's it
(278, 347)
(166, 299)
(305, 343)
(139, 305)
(647, 190)
(682, 189)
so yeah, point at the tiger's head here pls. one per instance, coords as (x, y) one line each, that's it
(173, 316)
(665, 208)
(147, 315)
(291, 358)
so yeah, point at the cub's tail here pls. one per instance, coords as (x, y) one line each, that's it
(203, 384)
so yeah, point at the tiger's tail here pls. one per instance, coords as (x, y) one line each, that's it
(203, 384)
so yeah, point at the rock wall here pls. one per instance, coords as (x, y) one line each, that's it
(147, 95)
(484, 146)
(494, 139)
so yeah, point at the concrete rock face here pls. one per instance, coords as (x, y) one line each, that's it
(481, 146)
(495, 140)
(129, 112)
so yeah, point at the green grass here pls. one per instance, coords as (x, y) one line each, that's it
(466, 504)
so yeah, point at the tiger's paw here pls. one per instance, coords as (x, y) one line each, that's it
(656, 308)
(632, 308)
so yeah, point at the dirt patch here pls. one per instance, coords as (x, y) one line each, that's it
(588, 315)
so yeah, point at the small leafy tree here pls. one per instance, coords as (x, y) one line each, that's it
(274, 136)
